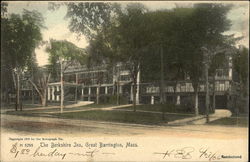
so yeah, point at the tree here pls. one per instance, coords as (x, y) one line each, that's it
(222, 54)
(203, 28)
(240, 64)
(39, 79)
(133, 41)
(4, 9)
(90, 18)
(21, 35)
(122, 43)
(66, 54)
(96, 60)
(240, 67)
(93, 20)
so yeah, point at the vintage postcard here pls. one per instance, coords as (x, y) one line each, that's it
(124, 81)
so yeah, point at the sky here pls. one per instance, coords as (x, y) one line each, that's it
(57, 25)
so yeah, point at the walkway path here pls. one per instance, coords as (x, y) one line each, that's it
(92, 109)
(201, 119)
(51, 108)
(78, 104)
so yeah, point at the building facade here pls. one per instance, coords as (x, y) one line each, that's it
(85, 84)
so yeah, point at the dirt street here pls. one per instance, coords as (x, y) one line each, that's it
(26, 125)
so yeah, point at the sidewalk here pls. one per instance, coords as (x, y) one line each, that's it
(201, 119)
(80, 103)
(91, 109)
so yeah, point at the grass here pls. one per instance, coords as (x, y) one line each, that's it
(171, 108)
(231, 121)
(42, 111)
(123, 116)
(98, 105)
(112, 116)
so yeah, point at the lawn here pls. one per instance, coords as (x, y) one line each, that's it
(232, 121)
(90, 106)
(171, 108)
(123, 116)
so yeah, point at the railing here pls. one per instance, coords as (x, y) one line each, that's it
(186, 87)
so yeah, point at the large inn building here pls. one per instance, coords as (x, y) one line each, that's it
(83, 84)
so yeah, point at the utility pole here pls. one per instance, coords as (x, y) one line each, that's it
(206, 64)
(162, 96)
(118, 86)
(162, 86)
(62, 89)
(207, 92)
(32, 88)
(76, 88)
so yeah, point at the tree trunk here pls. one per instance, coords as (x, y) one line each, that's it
(44, 100)
(15, 85)
(117, 94)
(62, 87)
(32, 90)
(76, 94)
(43, 96)
(134, 96)
(32, 95)
(98, 93)
(196, 101)
(207, 93)
(175, 96)
(118, 86)
(76, 88)
(195, 85)
(214, 93)
(18, 92)
(162, 86)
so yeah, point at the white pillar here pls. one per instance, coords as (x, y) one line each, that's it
(89, 93)
(196, 103)
(106, 90)
(138, 88)
(53, 93)
(178, 101)
(230, 73)
(57, 89)
(131, 92)
(82, 93)
(48, 93)
(152, 100)
(120, 89)
(97, 91)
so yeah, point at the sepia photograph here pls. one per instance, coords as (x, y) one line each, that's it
(124, 81)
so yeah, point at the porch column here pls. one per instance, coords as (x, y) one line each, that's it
(131, 93)
(230, 73)
(120, 89)
(178, 101)
(82, 93)
(138, 88)
(48, 96)
(152, 100)
(53, 93)
(97, 94)
(106, 90)
(89, 94)
(57, 89)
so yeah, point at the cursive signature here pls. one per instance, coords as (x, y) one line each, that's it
(87, 153)
(41, 152)
(53, 153)
(210, 155)
(182, 153)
